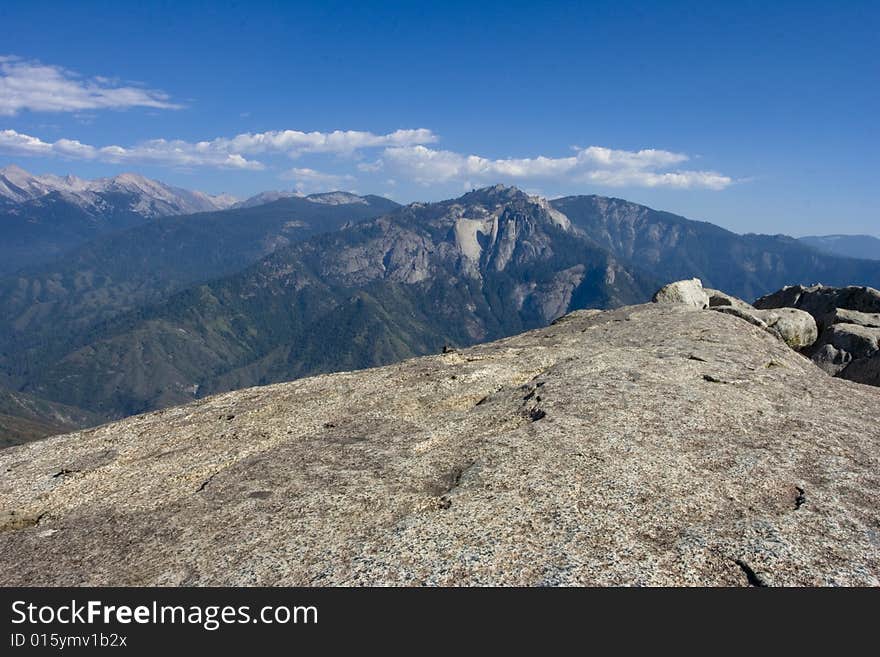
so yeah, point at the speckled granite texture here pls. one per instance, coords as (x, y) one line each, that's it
(651, 445)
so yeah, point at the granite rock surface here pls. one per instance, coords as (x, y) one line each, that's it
(649, 445)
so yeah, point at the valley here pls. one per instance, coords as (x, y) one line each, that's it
(180, 307)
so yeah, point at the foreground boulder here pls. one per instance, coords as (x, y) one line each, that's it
(797, 328)
(689, 293)
(650, 445)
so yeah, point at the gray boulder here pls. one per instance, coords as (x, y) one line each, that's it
(864, 370)
(797, 328)
(821, 301)
(842, 346)
(794, 327)
(688, 292)
(860, 341)
(846, 316)
(719, 299)
(848, 321)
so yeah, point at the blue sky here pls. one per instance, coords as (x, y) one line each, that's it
(760, 117)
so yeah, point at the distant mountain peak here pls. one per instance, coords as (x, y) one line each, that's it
(489, 204)
(495, 194)
(130, 177)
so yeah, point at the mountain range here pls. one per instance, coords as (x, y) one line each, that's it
(852, 246)
(44, 216)
(174, 308)
(146, 197)
(486, 265)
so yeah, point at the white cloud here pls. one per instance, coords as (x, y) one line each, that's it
(649, 158)
(158, 151)
(676, 179)
(605, 166)
(18, 144)
(308, 180)
(222, 152)
(404, 156)
(294, 142)
(30, 85)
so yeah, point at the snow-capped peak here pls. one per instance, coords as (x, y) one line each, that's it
(141, 195)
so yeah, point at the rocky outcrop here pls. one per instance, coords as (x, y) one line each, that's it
(849, 323)
(794, 327)
(845, 316)
(822, 301)
(689, 293)
(842, 344)
(649, 445)
(797, 328)
(863, 370)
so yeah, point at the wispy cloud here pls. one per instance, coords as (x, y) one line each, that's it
(401, 154)
(294, 143)
(307, 180)
(158, 151)
(229, 153)
(405, 154)
(596, 164)
(31, 85)
(677, 179)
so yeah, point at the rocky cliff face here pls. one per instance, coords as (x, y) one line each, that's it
(653, 444)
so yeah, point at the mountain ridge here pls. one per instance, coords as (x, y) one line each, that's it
(674, 248)
(43, 217)
(18, 186)
(181, 307)
(142, 265)
(400, 285)
(850, 246)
